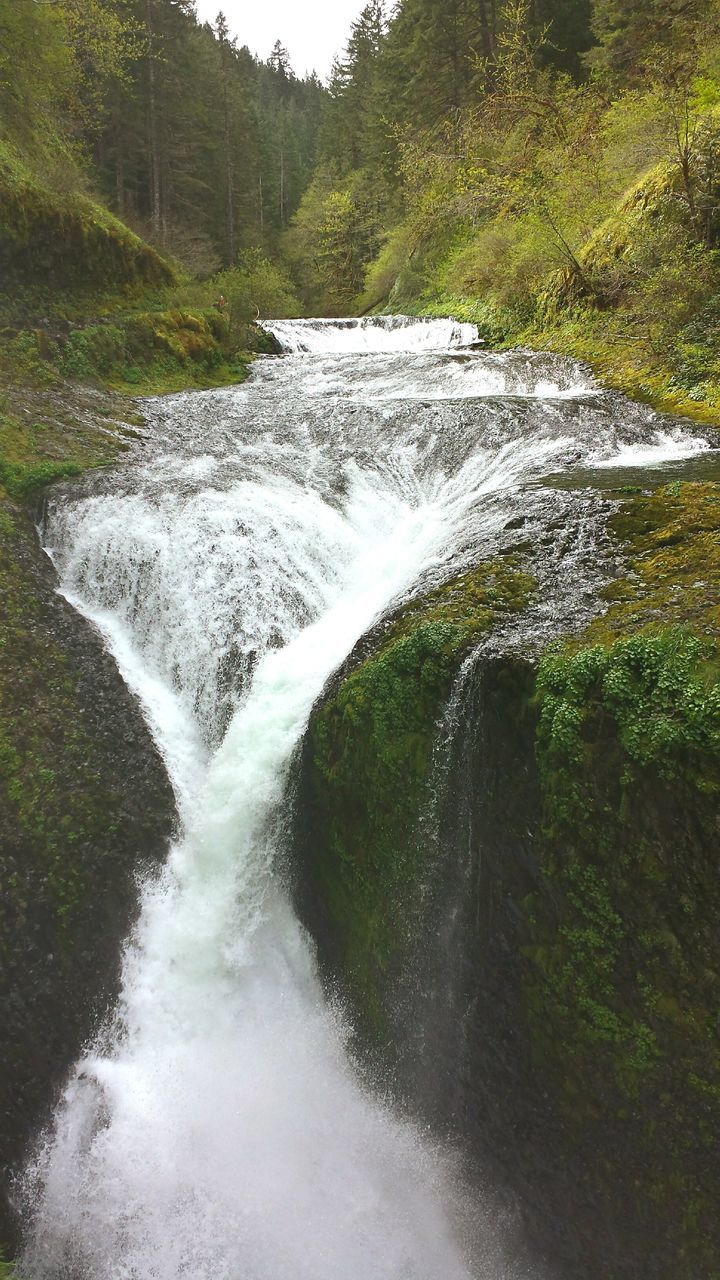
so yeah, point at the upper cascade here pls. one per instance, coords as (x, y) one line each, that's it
(371, 334)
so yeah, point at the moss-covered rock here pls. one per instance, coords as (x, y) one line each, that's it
(84, 798)
(673, 535)
(58, 242)
(623, 987)
(586, 817)
(152, 351)
(139, 353)
(369, 752)
(624, 981)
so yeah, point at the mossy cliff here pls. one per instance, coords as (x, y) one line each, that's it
(84, 798)
(586, 807)
(52, 242)
(370, 749)
(83, 298)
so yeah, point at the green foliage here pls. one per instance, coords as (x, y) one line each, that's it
(21, 482)
(657, 689)
(637, 34)
(165, 339)
(256, 288)
(334, 234)
(621, 942)
(200, 145)
(145, 352)
(531, 198)
(621, 946)
(36, 451)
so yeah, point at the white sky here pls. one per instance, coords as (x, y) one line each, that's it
(313, 31)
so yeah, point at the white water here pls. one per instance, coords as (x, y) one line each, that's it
(366, 335)
(217, 1129)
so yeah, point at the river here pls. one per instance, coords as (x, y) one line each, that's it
(217, 1127)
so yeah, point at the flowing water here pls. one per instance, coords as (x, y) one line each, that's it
(217, 1127)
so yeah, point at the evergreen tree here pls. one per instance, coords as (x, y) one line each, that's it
(355, 131)
(433, 52)
(568, 32)
(632, 33)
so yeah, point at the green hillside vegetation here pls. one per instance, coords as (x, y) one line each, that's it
(63, 241)
(552, 175)
(147, 165)
(548, 170)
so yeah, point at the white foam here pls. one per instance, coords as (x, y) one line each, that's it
(371, 334)
(666, 446)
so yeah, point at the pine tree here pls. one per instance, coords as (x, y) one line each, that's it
(567, 25)
(225, 50)
(353, 123)
(433, 52)
(631, 33)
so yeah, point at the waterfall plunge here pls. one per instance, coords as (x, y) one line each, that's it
(216, 1129)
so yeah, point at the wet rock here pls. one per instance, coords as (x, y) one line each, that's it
(84, 804)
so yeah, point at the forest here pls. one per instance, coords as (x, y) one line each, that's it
(545, 168)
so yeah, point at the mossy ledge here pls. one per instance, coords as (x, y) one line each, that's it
(53, 242)
(139, 353)
(590, 988)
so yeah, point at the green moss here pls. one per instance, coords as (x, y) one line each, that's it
(622, 356)
(673, 537)
(371, 744)
(39, 706)
(54, 241)
(660, 689)
(21, 482)
(39, 703)
(33, 454)
(139, 353)
(623, 978)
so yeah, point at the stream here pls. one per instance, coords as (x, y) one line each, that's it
(218, 1126)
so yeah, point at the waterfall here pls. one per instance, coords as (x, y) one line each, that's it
(217, 1128)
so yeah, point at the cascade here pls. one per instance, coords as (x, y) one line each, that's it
(217, 1125)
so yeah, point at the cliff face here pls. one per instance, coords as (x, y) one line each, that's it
(84, 798)
(536, 918)
(84, 803)
(55, 242)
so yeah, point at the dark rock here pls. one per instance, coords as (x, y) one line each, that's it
(84, 803)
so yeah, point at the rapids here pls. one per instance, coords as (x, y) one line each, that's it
(217, 1128)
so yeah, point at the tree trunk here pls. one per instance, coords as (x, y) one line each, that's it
(155, 194)
(229, 189)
